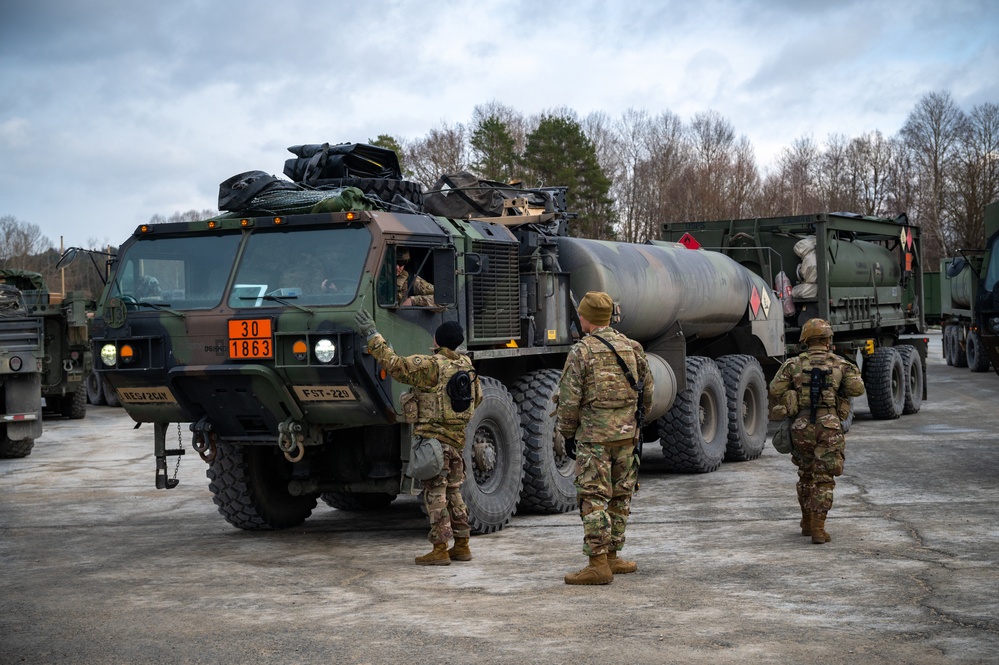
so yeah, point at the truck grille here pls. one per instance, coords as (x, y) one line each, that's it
(494, 295)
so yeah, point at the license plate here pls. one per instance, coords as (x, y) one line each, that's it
(250, 338)
(325, 393)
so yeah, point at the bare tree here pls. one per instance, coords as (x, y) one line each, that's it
(443, 150)
(932, 133)
(974, 176)
(20, 244)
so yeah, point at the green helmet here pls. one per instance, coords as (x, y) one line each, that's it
(816, 328)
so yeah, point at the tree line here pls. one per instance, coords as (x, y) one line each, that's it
(630, 174)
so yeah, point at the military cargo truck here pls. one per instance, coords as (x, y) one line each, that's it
(20, 374)
(969, 302)
(862, 274)
(242, 327)
(67, 359)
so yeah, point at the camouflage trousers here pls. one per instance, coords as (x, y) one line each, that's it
(818, 450)
(605, 481)
(442, 497)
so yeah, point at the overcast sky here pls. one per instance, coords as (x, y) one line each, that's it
(112, 111)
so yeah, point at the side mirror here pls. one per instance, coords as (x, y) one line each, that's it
(67, 257)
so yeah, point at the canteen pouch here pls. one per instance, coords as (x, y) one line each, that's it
(426, 458)
(782, 437)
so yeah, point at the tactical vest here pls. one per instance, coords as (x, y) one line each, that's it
(802, 381)
(605, 381)
(434, 406)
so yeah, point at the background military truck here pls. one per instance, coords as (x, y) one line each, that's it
(862, 274)
(242, 326)
(67, 359)
(20, 374)
(968, 302)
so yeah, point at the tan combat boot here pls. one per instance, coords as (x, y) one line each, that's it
(819, 534)
(620, 566)
(806, 522)
(460, 551)
(598, 572)
(437, 557)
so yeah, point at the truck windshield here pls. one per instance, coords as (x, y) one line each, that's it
(182, 273)
(319, 266)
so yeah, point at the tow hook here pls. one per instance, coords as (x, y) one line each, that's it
(204, 440)
(291, 439)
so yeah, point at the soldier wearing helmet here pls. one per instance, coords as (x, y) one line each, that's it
(813, 389)
(412, 290)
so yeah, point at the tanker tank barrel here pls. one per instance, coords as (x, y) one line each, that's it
(661, 284)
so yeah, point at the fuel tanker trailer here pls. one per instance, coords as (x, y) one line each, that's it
(862, 274)
(969, 301)
(238, 332)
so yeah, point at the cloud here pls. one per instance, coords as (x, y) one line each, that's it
(113, 112)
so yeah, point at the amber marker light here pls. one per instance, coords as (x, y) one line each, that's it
(351, 216)
(145, 228)
(126, 353)
(213, 224)
(300, 349)
(382, 374)
(244, 223)
(279, 220)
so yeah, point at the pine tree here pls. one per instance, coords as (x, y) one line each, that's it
(559, 153)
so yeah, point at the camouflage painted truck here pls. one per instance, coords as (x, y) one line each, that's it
(242, 327)
(969, 302)
(21, 354)
(67, 359)
(862, 274)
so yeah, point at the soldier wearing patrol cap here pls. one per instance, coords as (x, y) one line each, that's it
(437, 417)
(597, 407)
(814, 389)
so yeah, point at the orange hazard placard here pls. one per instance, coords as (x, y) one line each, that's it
(251, 338)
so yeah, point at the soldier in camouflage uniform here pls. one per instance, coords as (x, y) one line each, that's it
(432, 414)
(818, 446)
(597, 408)
(418, 294)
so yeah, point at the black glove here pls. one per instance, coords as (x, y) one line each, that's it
(570, 447)
(365, 324)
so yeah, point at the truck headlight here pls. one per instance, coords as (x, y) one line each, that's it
(994, 323)
(325, 350)
(109, 355)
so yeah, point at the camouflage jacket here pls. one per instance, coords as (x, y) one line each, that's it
(596, 404)
(427, 406)
(422, 291)
(790, 390)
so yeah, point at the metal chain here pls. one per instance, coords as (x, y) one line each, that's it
(180, 445)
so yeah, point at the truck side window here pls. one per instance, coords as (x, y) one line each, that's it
(406, 278)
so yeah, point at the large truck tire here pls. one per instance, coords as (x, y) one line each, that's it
(960, 353)
(913, 366)
(14, 449)
(249, 484)
(74, 406)
(385, 189)
(746, 399)
(358, 501)
(945, 341)
(885, 381)
(494, 461)
(978, 359)
(93, 386)
(110, 395)
(549, 474)
(694, 432)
